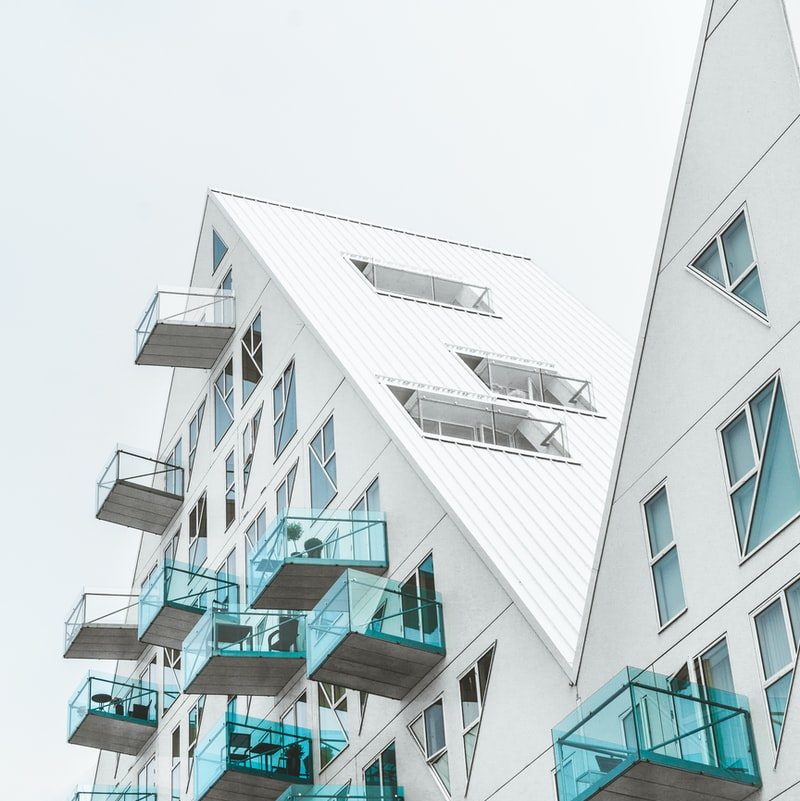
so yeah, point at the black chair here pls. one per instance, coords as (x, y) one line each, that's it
(239, 746)
(284, 638)
(140, 711)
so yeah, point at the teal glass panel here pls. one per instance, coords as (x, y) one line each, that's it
(341, 792)
(736, 244)
(742, 502)
(245, 634)
(220, 249)
(181, 586)
(350, 539)
(749, 290)
(372, 606)
(121, 698)
(759, 409)
(710, 263)
(100, 793)
(777, 698)
(738, 448)
(773, 641)
(669, 588)
(264, 748)
(659, 525)
(778, 497)
(641, 716)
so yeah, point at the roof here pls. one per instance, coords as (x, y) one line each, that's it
(534, 521)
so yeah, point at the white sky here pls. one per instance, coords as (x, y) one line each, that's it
(546, 128)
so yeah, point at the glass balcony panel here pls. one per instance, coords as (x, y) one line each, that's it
(139, 492)
(244, 652)
(186, 327)
(249, 760)
(99, 793)
(115, 714)
(176, 596)
(102, 626)
(306, 551)
(638, 730)
(367, 634)
(340, 792)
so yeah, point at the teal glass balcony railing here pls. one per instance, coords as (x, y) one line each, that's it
(139, 492)
(246, 760)
(306, 551)
(238, 652)
(175, 596)
(102, 626)
(637, 728)
(111, 713)
(340, 792)
(97, 793)
(367, 634)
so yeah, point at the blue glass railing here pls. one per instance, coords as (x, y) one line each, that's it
(241, 633)
(340, 792)
(376, 607)
(184, 587)
(639, 716)
(98, 793)
(265, 748)
(124, 699)
(351, 539)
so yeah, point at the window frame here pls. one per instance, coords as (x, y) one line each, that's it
(383, 790)
(324, 462)
(218, 264)
(201, 522)
(333, 708)
(230, 489)
(256, 355)
(280, 417)
(196, 418)
(291, 473)
(250, 433)
(423, 746)
(223, 398)
(482, 693)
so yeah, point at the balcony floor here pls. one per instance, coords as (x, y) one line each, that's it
(196, 345)
(106, 641)
(171, 626)
(245, 675)
(377, 666)
(300, 584)
(135, 506)
(239, 785)
(112, 733)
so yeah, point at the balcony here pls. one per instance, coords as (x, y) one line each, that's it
(244, 652)
(139, 492)
(307, 551)
(99, 628)
(252, 761)
(340, 792)
(637, 736)
(186, 327)
(113, 714)
(175, 597)
(367, 634)
(114, 794)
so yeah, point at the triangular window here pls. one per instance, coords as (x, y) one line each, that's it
(429, 735)
(472, 689)
(220, 249)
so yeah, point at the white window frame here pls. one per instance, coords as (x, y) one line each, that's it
(255, 354)
(200, 513)
(334, 709)
(249, 439)
(465, 729)
(279, 417)
(379, 759)
(197, 421)
(429, 759)
(287, 484)
(230, 487)
(226, 398)
(325, 461)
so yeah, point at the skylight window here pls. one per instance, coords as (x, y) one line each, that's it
(443, 416)
(529, 383)
(426, 287)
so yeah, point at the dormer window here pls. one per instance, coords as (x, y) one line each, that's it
(424, 286)
(529, 383)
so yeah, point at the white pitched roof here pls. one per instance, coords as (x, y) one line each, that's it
(535, 520)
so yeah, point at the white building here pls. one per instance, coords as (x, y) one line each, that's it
(451, 416)
(698, 574)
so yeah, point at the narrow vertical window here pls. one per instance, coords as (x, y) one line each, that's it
(225, 311)
(223, 402)
(761, 467)
(664, 566)
(174, 473)
(198, 534)
(472, 688)
(418, 598)
(322, 466)
(369, 540)
(296, 716)
(219, 250)
(254, 535)
(146, 780)
(172, 676)
(333, 731)
(195, 722)
(249, 438)
(195, 425)
(252, 369)
(171, 551)
(283, 495)
(175, 766)
(227, 591)
(284, 407)
(230, 489)
(429, 734)
(381, 773)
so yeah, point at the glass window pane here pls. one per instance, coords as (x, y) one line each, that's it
(750, 291)
(759, 409)
(418, 730)
(659, 525)
(434, 728)
(470, 738)
(669, 588)
(716, 665)
(470, 708)
(793, 602)
(772, 639)
(442, 768)
(484, 666)
(777, 697)
(742, 500)
(736, 244)
(738, 448)
(220, 249)
(710, 263)
(389, 768)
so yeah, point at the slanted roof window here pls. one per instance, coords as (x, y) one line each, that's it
(426, 287)
(455, 417)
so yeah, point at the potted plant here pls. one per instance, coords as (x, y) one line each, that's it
(293, 533)
(294, 754)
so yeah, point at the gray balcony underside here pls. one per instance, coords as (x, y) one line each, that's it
(236, 785)
(376, 666)
(300, 585)
(139, 507)
(195, 345)
(245, 675)
(171, 626)
(106, 641)
(647, 781)
(120, 735)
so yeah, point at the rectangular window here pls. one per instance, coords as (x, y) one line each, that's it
(230, 489)
(175, 766)
(472, 689)
(174, 475)
(255, 534)
(333, 731)
(322, 466)
(382, 772)
(296, 715)
(249, 438)
(195, 723)
(729, 262)
(429, 734)
(283, 495)
(418, 600)
(171, 551)
(252, 369)
(426, 287)
(284, 408)
(195, 425)
(198, 533)
(761, 467)
(225, 312)
(478, 421)
(664, 567)
(227, 594)
(223, 402)
(778, 633)
(146, 779)
(172, 676)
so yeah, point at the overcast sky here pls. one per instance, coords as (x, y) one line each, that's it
(541, 127)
